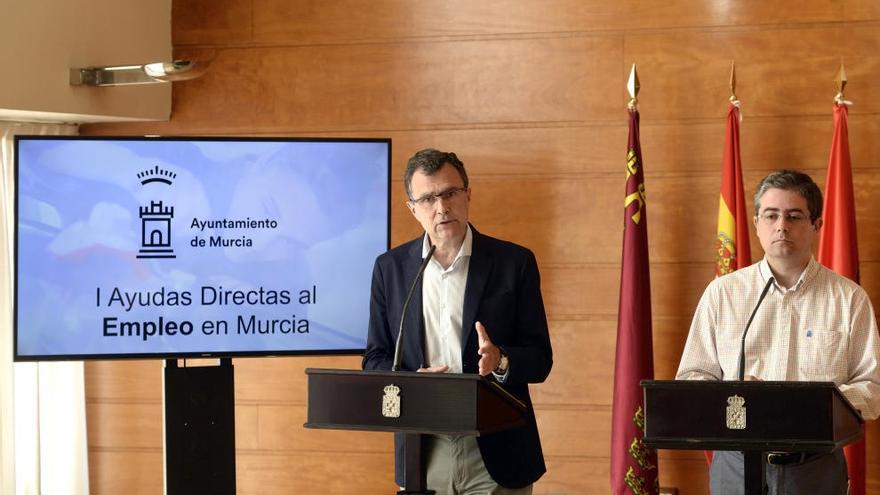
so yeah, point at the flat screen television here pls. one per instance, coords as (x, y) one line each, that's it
(157, 247)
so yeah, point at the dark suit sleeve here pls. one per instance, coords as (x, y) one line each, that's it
(531, 355)
(379, 354)
(514, 309)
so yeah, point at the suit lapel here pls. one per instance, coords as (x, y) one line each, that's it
(479, 269)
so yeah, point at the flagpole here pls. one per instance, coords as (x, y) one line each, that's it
(733, 97)
(633, 465)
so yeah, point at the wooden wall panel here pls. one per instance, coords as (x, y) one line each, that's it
(337, 21)
(575, 343)
(571, 474)
(129, 471)
(211, 21)
(530, 94)
(314, 472)
(686, 469)
(801, 62)
(570, 290)
(126, 380)
(861, 10)
(767, 143)
(281, 430)
(124, 425)
(492, 81)
(585, 422)
(281, 379)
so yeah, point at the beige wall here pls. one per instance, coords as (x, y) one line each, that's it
(531, 95)
(41, 40)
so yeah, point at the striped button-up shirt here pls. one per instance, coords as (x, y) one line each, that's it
(822, 329)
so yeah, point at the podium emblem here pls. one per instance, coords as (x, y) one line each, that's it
(391, 402)
(736, 413)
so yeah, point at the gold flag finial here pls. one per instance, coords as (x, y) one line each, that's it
(840, 82)
(632, 85)
(732, 80)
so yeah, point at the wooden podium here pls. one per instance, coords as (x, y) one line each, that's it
(752, 417)
(412, 403)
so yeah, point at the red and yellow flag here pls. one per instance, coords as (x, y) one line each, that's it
(838, 248)
(633, 465)
(732, 249)
(732, 244)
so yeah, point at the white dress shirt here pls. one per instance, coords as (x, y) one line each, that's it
(443, 305)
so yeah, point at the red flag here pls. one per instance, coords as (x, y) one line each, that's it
(633, 465)
(838, 248)
(732, 244)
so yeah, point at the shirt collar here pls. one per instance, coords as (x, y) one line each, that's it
(808, 273)
(465, 249)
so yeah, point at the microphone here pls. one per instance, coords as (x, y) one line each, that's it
(742, 349)
(398, 347)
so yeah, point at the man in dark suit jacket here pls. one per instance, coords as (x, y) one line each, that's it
(496, 325)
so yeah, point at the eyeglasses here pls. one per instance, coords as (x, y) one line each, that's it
(429, 199)
(772, 217)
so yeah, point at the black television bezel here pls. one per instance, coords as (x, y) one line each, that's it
(177, 355)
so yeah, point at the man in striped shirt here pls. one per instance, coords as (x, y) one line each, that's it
(813, 325)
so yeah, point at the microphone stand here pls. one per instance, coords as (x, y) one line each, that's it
(398, 346)
(742, 349)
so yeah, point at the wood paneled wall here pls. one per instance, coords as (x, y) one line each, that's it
(531, 95)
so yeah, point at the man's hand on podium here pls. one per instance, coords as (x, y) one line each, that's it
(434, 369)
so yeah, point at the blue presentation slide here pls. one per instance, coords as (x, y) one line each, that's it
(158, 247)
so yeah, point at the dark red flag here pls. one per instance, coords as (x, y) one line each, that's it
(838, 248)
(633, 465)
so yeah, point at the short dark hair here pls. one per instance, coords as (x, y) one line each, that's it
(792, 180)
(430, 161)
